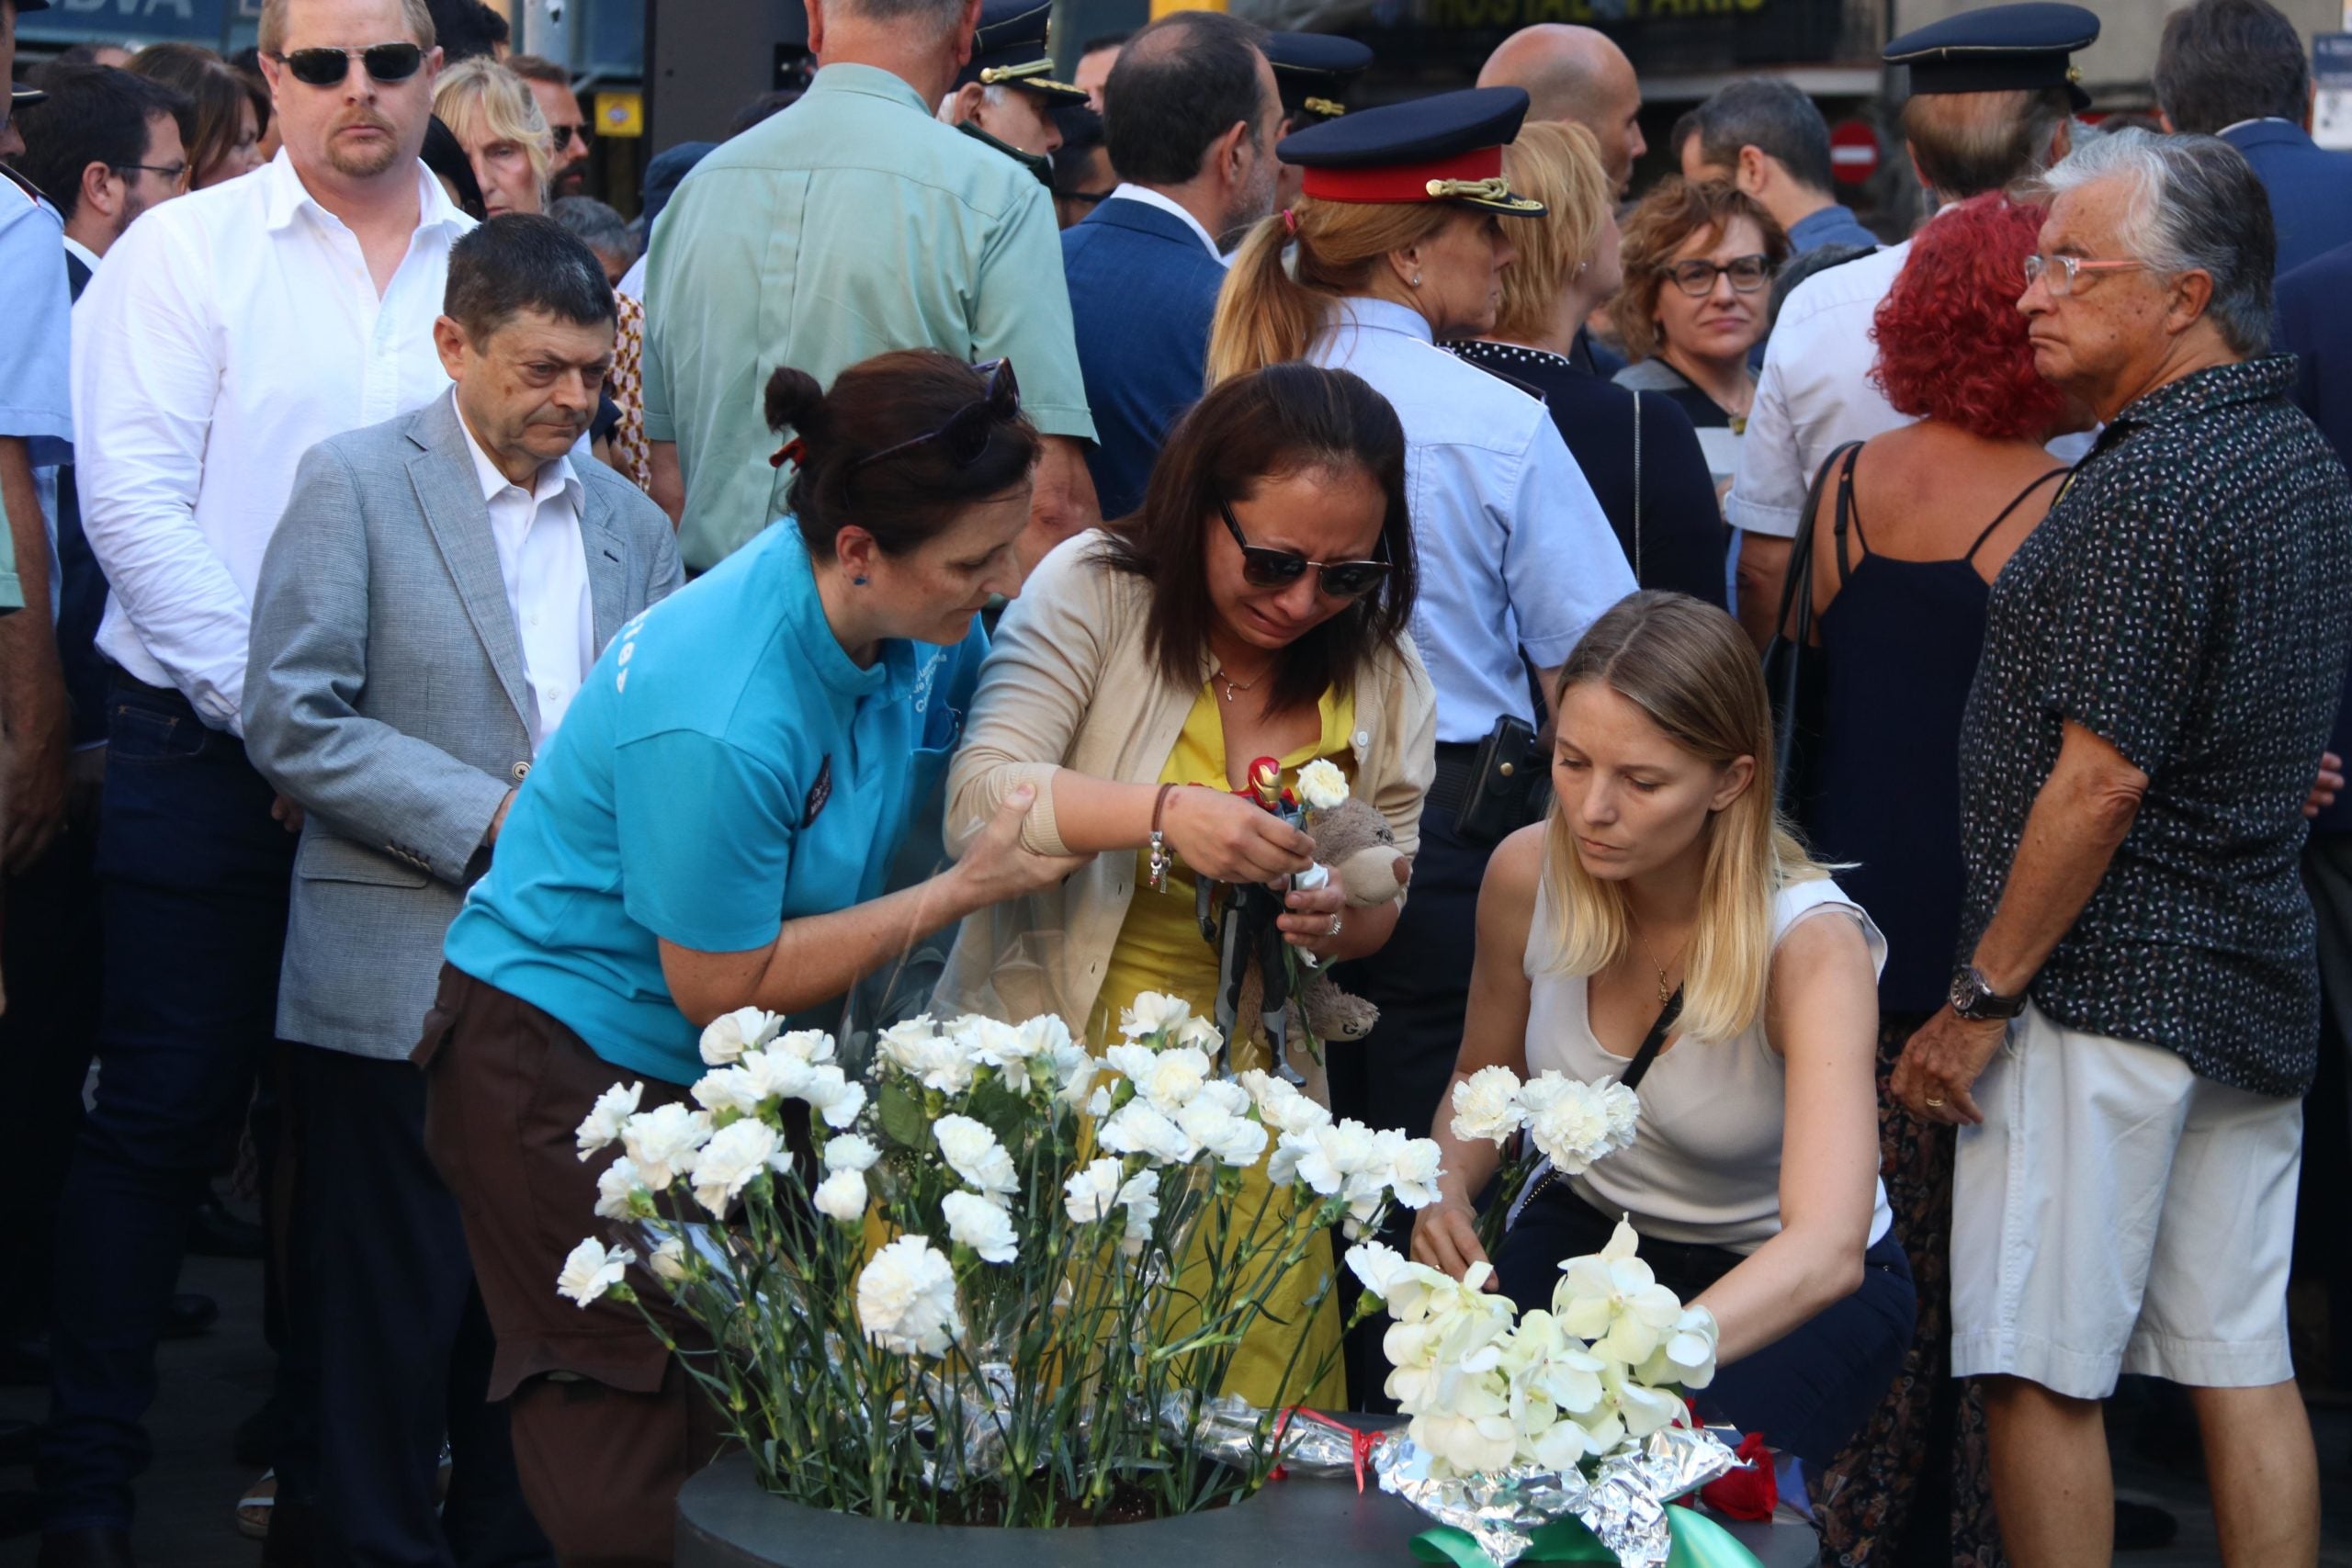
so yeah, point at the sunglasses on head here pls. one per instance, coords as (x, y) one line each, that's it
(966, 434)
(328, 67)
(1264, 568)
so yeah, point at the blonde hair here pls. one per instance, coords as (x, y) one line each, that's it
(1675, 210)
(272, 40)
(1266, 315)
(480, 94)
(1556, 162)
(1689, 667)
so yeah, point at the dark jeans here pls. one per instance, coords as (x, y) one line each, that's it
(47, 1037)
(1395, 1077)
(194, 876)
(403, 1345)
(1808, 1392)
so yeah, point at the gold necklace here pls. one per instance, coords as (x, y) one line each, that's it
(1231, 685)
(1665, 992)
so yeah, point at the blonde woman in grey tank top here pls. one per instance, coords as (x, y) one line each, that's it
(1753, 1178)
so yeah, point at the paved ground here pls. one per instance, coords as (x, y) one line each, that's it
(212, 1383)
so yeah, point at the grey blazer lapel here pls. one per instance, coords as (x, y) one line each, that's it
(607, 555)
(443, 472)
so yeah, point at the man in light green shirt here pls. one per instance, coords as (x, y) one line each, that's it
(851, 224)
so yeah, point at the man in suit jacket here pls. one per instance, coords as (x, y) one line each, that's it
(2235, 68)
(431, 602)
(1191, 115)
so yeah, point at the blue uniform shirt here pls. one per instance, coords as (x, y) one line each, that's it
(726, 768)
(1515, 554)
(34, 401)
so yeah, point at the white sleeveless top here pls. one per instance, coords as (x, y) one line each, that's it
(1705, 1164)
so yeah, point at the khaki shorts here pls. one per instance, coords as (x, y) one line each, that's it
(2117, 1213)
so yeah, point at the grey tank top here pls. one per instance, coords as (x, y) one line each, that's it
(1705, 1164)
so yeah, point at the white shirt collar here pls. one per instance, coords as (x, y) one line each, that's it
(555, 478)
(1368, 313)
(288, 195)
(89, 257)
(1130, 191)
(2257, 120)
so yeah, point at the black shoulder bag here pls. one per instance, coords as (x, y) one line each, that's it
(1636, 1069)
(1792, 667)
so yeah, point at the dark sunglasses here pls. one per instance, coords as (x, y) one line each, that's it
(1263, 568)
(1697, 278)
(965, 433)
(328, 67)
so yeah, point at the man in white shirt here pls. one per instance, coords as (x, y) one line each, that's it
(228, 332)
(1991, 97)
(427, 609)
(1192, 126)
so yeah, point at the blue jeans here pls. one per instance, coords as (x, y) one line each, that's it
(194, 874)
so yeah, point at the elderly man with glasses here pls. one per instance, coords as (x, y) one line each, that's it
(2134, 1016)
(228, 333)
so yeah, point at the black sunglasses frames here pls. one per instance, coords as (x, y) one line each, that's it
(1266, 567)
(966, 434)
(328, 67)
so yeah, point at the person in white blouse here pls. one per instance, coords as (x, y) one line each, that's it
(1989, 107)
(1661, 929)
(427, 611)
(229, 331)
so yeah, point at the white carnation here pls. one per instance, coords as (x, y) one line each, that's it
(591, 1270)
(730, 1035)
(811, 1045)
(661, 1141)
(735, 1154)
(1279, 1104)
(1136, 1128)
(987, 1229)
(918, 1049)
(973, 1153)
(840, 1197)
(1200, 1035)
(832, 1096)
(1090, 1194)
(1168, 1078)
(776, 1074)
(725, 1089)
(1153, 1013)
(1413, 1177)
(1236, 1141)
(607, 1116)
(1574, 1124)
(1140, 1198)
(1321, 785)
(906, 1299)
(1329, 1156)
(669, 1261)
(1486, 1105)
(848, 1151)
(616, 1190)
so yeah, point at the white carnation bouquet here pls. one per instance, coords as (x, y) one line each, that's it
(1562, 1124)
(988, 1278)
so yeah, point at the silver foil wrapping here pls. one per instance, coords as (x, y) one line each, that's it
(1623, 1501)
(1227, 1430)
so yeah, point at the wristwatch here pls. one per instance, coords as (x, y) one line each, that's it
(1973, 997)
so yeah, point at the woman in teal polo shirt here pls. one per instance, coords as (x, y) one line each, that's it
(710, 830)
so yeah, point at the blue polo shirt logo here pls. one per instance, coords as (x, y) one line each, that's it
(818, 792)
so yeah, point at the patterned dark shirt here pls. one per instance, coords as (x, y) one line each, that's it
(2189, 599)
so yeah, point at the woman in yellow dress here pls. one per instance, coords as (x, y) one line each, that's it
(1255, 606)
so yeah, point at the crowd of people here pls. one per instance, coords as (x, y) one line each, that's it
(1885, 698)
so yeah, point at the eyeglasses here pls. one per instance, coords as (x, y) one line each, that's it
(2058, 274)
(328, 67)
(1697, 278)
(1264, 568)
(965, 433)
(175, 173)
(567, 135)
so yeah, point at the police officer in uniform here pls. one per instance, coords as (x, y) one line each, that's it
(1516, 557)
(1006, 95)
(1313, 72)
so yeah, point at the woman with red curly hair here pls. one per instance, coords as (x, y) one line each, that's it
(1911, 528)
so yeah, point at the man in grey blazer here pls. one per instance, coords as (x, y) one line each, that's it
(431, 600)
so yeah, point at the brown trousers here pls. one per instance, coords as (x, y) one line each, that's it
(606, 1427)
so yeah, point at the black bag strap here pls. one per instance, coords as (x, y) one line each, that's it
(1792, 628)
(1638, 1068)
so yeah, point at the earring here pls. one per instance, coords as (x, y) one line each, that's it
(859, 581)
(1417, 280)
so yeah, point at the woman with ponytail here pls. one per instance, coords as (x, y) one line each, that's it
(711, 828)
(1401, 240)
(1663, 927)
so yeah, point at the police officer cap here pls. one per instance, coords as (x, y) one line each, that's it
(1447, 148)
(1314, 70)
(17, 95)
(1008, 51)
(1999, 48)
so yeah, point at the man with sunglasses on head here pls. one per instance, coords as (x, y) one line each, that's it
(228, 333)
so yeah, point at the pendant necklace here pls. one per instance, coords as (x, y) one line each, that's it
(1231, 685)
(1665, 992)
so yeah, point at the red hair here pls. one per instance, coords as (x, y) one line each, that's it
(1951, 346)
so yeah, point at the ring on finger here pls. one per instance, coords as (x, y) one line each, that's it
(1336, 924)
(1934, 1101)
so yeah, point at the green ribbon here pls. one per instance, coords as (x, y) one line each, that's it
(1698, 1542)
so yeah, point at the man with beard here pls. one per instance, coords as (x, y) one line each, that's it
(228, 333)
(1192, 117)
(551, 85)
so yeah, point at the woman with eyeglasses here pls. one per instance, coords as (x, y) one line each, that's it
(1699, 258)
(712, 829)
(1255, 607)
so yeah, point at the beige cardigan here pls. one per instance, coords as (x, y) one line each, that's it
(1070, 683)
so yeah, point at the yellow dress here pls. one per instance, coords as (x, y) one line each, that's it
(1161, 949)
